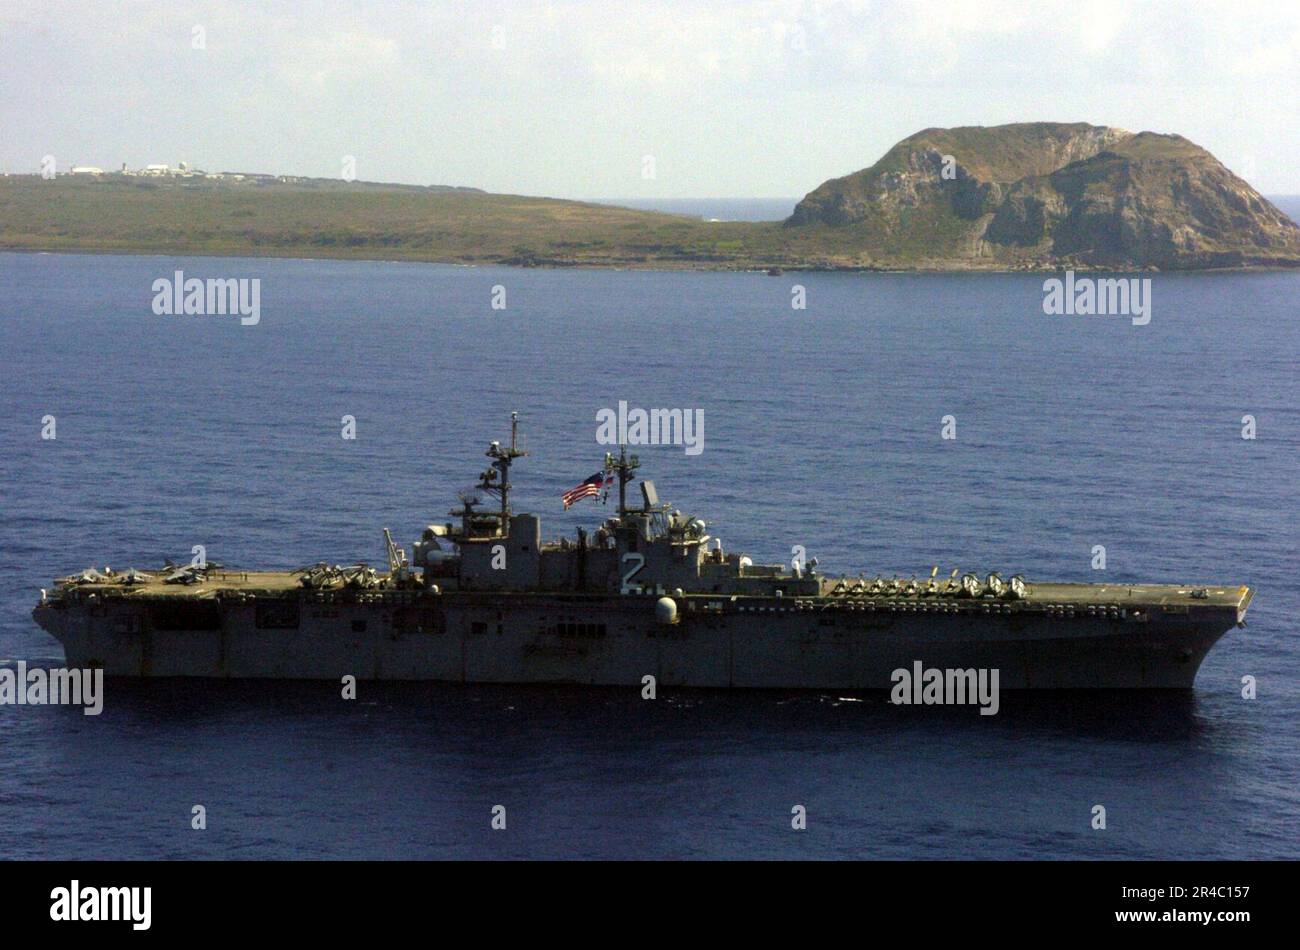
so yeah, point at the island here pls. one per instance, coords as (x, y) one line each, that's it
(1028, 196)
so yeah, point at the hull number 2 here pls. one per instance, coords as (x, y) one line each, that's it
(637, 561)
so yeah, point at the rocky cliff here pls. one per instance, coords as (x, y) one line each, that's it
(1049, 194)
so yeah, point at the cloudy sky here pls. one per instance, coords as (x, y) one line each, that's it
(736, 99)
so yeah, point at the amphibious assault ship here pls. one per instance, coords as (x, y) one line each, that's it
(483, 599)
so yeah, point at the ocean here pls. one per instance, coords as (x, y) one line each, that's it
(822, 429)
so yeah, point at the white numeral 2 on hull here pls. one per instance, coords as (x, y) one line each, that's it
(638, 560)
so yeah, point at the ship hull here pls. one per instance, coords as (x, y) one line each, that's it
(611, 641)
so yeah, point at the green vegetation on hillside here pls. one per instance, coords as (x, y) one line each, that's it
(340, 220)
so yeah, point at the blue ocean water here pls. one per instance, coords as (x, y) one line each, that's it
(822, 429)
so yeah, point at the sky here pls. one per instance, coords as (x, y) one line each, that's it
(609, 99)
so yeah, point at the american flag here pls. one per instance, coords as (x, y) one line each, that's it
(587, 488)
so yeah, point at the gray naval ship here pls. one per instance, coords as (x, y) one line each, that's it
(483, 599)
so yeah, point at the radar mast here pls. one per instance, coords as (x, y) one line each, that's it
(496, 480)
(624, 465)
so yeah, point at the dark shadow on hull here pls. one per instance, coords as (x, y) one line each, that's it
(1115, 715)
